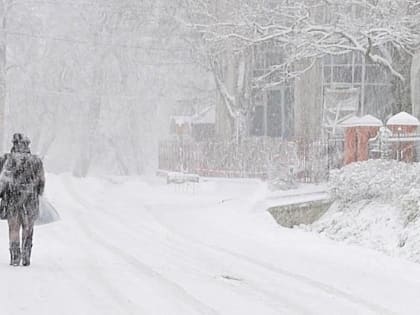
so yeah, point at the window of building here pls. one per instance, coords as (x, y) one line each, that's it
(351, 70)
(280, 113)
(272, 113)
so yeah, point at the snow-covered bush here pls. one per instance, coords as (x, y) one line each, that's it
(281, 177)
(377, 205)
(374, 179)
(410, 203)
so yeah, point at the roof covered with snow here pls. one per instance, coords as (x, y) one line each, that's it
(351, 122)
(181, 120)
(370, 121)
(365, 121)
(403, 119)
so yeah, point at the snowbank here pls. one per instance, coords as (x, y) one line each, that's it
(377, 205)
(383, 180)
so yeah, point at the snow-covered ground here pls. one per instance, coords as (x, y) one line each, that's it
(133, 246)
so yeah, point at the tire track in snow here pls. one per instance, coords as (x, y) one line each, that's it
(277, 300)
(298, 308)
(314, 283)
(328, 289)
(98, 277)
(102, 281)
(196, 305)
(320, 286)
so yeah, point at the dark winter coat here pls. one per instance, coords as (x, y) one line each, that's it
(22, 181)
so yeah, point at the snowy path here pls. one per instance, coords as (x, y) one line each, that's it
(135, 247)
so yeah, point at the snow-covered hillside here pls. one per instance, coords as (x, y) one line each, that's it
(132, 246)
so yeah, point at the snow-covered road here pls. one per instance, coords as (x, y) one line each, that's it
(131, 246)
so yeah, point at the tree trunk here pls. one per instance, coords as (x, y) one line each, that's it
(415, 84)
(308, 103)
(88, 138)
(135, 140)
(91, 122)
(225, 123)
(2, 73)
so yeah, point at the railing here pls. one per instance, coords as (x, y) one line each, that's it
(401, 147)
(254, 157)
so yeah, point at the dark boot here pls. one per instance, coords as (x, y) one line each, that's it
(15, 255)
(27, 234)
(26, 256)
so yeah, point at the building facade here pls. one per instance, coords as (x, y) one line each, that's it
(334, 88)
(415, 84)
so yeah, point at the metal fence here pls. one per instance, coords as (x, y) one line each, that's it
(397, 147)
(254, 157)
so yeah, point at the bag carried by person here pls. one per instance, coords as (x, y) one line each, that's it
(47, 213)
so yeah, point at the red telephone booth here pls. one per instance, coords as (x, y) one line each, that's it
(350, 139)
(402, 126)
(357, 133)
(368, 128)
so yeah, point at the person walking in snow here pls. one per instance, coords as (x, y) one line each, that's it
(22, 181)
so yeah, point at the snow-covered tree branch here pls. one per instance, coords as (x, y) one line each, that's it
(301, 30)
